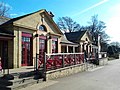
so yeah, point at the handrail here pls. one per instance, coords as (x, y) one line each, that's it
(63, 53)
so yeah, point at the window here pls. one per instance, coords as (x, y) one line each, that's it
(54, 45)
(42, 28)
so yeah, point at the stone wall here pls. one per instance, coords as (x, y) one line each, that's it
(103, 61)
(65, 71)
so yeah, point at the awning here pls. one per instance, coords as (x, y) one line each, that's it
(5, 36)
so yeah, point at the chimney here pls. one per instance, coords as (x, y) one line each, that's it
(51, 14)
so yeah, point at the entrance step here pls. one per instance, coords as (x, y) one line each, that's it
(20, 85)
(17, 81)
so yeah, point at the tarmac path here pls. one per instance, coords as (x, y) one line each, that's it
(102, 78)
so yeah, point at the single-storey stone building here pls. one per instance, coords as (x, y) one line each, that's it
(24, 38)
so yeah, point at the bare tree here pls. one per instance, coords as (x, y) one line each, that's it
(67, 24)
(98, 28)
(4, 9)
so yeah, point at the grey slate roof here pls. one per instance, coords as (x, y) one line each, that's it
(3, 32)
(3, 19)
(75, 36)
(65, 41)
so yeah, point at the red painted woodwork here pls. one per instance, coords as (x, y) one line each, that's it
(26, 35)
(54, 62)
(26, 49)
(43, 37)
(42, 50)
(57, 61)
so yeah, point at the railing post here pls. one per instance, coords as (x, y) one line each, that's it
(63, 61)
(44, 67)
(75, 59)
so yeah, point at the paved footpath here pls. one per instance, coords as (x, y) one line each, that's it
(101, 78)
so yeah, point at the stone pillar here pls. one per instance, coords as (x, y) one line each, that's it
(84, 46)
(59, 45)
(49, 46)
(37, 45)
(67, 49)
(91, 48)
(81, 47)
(88, 48)
(15, 49)
(73, 49)
(34, 48)
(99, 46)
(19, 48)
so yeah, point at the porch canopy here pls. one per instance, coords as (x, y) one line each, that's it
(6, 35)
(67, 46)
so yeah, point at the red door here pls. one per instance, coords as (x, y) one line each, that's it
(26, 51)
(42, 49)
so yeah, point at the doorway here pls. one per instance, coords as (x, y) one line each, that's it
(42, 49)
(4, 53)
(26, 49)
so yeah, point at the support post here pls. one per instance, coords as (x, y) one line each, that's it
(75, 59)
(63, 61)
(44, 67)
(37, 56)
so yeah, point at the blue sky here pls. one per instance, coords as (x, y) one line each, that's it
(79, 10)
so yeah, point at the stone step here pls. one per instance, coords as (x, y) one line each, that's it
(20, 86)
(19, 80)
(15, 81)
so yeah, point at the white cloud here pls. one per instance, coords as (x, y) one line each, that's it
(13, 14)
(91, 7)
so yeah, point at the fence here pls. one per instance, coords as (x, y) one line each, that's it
(61, 60)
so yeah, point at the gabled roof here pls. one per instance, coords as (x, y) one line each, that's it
(11, 21)
(65, 41)
(75, 36)
(17, 18)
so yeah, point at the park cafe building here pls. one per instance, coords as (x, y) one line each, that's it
(23, 37)
(30, 34)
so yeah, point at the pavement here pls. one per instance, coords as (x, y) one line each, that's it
(101, 78)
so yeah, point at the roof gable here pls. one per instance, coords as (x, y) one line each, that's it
(65, 41)
(32, 21)
(78, 36)
(75, 36)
